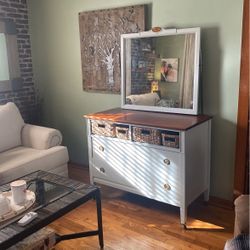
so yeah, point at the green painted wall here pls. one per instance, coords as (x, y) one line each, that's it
(57, 70)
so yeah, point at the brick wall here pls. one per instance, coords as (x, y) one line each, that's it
(25, 98)
(143, 65)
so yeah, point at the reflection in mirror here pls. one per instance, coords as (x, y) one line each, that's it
(4, 67)
(9, 64)
(160, 72)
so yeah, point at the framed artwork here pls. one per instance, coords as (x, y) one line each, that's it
(169, 70)
(100, 45)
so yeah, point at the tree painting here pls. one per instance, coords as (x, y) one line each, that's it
(100, 45)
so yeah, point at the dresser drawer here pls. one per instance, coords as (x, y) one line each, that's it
(159, 174)
(109, 161)
(152, 172)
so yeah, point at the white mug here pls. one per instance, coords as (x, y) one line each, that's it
(18, 189)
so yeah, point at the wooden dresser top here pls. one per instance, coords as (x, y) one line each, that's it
(151, 119)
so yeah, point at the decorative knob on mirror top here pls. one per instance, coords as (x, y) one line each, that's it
(101, 148)
(156, 29)
(167, 187)
(166, 161)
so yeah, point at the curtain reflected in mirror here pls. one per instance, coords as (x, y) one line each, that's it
(186, 84)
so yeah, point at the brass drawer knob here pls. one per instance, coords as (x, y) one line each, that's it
(101, 148)
(167, 161)
(102, 170)
(167, 187)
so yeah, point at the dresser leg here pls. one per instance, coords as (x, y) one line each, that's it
(183, 215)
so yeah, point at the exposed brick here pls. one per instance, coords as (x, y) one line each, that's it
(28, 60)
(2, 15)
(142, 62)
(16, 5)
(23, 11)
(23, 55)
(23, 36)
(15, 15)
(23, 21)
(25, 98)
(22, 31)
(28, 79)
(26, 46)
(22, 26)
(2, 3)
(27, 51)
(9, 10)
(21, 41)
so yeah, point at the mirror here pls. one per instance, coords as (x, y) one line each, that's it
(9, 64)
(160, 70)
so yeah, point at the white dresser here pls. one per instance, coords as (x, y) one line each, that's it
(165, 157)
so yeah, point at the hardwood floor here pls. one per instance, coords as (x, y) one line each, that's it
(132, 222)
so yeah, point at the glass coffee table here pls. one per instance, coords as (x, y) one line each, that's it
(55, 196)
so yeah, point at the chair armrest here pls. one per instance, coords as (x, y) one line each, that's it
(40, 137)
(241, 224)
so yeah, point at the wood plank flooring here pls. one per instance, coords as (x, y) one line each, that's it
(132, 222)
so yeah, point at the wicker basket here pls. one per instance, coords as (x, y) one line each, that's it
(148, 135)
(170, 140)
(103, 128)
(122, 132)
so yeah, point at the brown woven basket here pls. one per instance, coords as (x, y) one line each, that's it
(103, 128)
(122, 132)
(148, 135)
(166, 140)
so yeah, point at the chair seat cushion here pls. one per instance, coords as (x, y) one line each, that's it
(21, 160)
(241, 224)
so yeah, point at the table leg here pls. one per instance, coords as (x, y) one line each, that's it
(97, 196)
(99, 218)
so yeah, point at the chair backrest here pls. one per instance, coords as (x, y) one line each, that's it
(241, 224)
(11, 124)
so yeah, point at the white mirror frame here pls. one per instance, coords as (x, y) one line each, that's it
(162, 32)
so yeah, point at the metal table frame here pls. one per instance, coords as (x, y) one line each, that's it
(93, 193)
(99, 231)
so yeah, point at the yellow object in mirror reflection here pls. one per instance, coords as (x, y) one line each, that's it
(154, 86)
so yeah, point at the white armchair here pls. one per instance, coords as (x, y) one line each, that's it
(40, 137)
(241, 238)
(25, 148)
